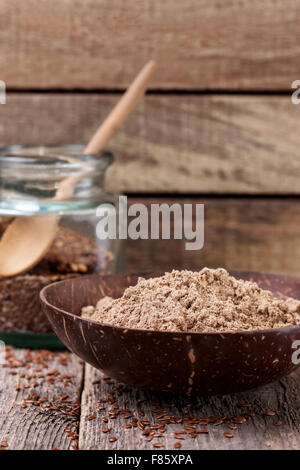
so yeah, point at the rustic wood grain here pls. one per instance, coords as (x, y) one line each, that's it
(240, 233)
(31, 428)
(258, 432)
(204, 44)
(174, 143)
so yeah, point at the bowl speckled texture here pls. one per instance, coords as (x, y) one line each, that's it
(192, 363)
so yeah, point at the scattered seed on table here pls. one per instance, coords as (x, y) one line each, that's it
(3, 444)
(270, 413)
(232, 426)
(239, 419)
(218, 422)
(90, 418)
(105, 430)
(112, 439)
(278, 423)
(177, 445)
(228, 434)
(158, 444)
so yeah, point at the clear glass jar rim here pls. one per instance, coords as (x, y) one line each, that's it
(61, 156)
(31, 174)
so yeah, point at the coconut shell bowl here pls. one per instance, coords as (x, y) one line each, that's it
(192, 363)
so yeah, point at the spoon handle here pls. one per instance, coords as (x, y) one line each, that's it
(110, 125)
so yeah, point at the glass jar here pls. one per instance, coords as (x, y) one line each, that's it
(30, 177)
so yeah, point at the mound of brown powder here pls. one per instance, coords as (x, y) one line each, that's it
(207, 301)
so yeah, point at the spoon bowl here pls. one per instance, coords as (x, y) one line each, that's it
(178, 362)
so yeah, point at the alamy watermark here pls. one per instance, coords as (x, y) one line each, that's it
(296, 354)
(295, 98)
(162, 221)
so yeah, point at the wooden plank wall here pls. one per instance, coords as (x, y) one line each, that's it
(199, 44)
(218, 125)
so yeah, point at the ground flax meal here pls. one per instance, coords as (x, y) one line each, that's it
(207, 301)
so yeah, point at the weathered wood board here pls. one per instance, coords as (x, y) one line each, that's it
(27, 425)
(257, 432)
(99, 44)
(256, 234)
(31, 428)
(174, 143)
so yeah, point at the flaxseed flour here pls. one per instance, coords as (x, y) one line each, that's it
(207, 301)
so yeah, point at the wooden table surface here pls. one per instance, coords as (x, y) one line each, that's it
(52, 400)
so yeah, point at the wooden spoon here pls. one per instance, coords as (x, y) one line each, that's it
(27, 239)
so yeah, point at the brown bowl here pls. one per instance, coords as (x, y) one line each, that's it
(193, 363)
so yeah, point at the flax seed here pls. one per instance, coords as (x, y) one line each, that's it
(239, 419)
(146, 422)
(228, 435)
(232, 426)
(218, 422)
